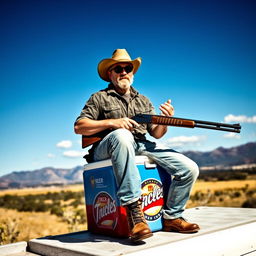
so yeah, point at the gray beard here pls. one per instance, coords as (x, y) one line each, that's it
(122, 85)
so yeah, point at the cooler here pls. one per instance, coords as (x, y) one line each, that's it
(105, 215)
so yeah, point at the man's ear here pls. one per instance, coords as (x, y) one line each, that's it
(109, 75)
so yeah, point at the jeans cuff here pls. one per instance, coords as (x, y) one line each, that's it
(171, 217)
(130, 201)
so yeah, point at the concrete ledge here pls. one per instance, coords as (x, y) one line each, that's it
(224, 231)
(14, 248)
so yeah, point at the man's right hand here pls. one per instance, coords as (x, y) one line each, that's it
(125, 123)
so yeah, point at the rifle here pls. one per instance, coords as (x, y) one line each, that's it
(166, 120)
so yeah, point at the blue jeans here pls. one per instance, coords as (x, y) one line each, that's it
(121, 147)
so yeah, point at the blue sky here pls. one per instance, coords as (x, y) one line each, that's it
(199, 54)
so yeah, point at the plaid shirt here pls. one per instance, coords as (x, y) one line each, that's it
(108, 104)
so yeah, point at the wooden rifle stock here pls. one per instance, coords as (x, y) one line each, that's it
(165, 120)
(88, 140)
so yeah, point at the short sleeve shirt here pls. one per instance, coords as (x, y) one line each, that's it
(108, 104)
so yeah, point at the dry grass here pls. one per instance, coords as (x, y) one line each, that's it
(39, 224)
(232, 193)
(221, 185)
(33, 225)
(42, 190)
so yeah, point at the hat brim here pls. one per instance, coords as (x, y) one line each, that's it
(105, 64)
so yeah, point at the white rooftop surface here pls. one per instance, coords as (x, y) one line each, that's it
(224, 232)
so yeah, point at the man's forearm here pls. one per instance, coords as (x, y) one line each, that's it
(87, 126)
(158, 131)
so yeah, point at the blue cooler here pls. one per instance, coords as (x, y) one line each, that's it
(105, 215)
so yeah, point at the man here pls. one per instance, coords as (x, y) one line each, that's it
(112, 109)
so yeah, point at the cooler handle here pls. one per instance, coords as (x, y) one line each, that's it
(149, 164)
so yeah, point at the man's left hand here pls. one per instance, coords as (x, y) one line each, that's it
(167, 109)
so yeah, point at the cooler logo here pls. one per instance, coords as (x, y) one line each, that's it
(105, 211)
(97, 182)
(92, 181)
(152, 199)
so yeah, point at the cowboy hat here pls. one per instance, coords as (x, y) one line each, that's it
(119, 55)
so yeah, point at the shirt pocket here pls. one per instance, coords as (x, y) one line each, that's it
(143, 107)
(112, 112)
(143, 110)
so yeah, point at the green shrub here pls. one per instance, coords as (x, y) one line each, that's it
(8, 231)
(249, 203)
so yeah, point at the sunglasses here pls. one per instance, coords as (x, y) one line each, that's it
(118, 69)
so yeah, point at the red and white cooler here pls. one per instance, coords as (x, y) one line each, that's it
(105, 215)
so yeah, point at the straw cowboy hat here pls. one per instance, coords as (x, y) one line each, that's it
(119, 55)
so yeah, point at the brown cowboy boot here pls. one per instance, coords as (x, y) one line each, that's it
(139, 229)
(180, 225)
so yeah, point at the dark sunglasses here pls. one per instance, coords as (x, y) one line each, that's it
(118, 69)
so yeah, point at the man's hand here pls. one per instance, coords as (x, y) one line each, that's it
(167, 109)
(125, 123)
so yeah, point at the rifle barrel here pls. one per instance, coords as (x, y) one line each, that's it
(218, 126)
(234, 129)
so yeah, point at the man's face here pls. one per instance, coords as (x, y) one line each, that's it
(121, 75)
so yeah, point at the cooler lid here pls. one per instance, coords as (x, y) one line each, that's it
(140, 160)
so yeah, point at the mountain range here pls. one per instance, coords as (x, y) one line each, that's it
(221, 157)
(243, 154)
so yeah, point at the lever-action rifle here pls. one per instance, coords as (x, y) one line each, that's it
(166, 120)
